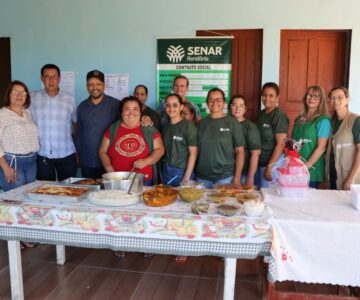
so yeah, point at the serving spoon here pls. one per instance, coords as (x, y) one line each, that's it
(132, 182)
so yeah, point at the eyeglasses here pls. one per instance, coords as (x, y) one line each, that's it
(341, 97)
(316, 96)
(51, 77)
(217, 100)
(21, 93)
(175, 105)
(237, 106)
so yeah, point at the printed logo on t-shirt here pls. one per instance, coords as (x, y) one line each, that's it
(177, 138)
(130, 145)
(224, 129)
(305, 141)
(266, 125)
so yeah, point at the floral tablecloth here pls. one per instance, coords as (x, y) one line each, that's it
(171, 229)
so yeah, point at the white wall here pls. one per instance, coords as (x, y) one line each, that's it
(120, 36)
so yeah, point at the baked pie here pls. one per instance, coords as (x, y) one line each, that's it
(160, 195)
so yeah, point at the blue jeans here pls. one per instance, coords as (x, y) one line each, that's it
(314, 184)
(209, 183)
(169, 172)
(25, 170)
(259, 175)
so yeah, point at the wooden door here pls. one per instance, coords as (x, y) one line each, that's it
(246, 65)
(311, 57)
(5, 65)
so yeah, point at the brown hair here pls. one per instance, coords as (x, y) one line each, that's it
(181, 77)
(215, 89)
(344, 89)
(236, 97)
(6, 100)
(129, 99)
(322, 108)
(191, 109)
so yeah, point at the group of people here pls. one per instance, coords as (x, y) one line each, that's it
(45, 136)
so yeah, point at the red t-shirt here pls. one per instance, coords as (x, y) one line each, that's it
(129, 146)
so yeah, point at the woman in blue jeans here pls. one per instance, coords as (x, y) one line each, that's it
(180, 139)
(18, 138)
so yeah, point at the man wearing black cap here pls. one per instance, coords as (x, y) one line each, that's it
(94, 116)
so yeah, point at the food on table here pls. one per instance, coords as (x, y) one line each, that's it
(189, 194)
(113, 198)
(227, 209)
(217, 197)
(56, 190)
(199, 208)
(249, 187)
(192, 183)
(254, 208)
(246, 196)
(161, 195)
(230, 189)
(88, 181)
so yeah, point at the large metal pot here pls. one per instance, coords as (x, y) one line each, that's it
(119, 181)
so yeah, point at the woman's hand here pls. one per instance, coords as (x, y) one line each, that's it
(140, 164)
(347, 182)
(146, 121)
(268, 173)
(236, 180)
(10, 174)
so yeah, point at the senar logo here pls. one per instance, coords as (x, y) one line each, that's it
(175, 53)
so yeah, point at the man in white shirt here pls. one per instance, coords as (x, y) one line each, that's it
(54, 113)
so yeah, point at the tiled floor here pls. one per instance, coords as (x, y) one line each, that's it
(98, 274)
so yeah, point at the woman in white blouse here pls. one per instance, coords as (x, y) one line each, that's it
(18, 138)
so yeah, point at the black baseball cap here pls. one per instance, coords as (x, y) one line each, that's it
(96, 74)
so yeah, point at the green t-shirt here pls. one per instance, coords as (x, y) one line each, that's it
(177, 139)
(269, 125)
(154, 116)
(218, 139)
(252, 140)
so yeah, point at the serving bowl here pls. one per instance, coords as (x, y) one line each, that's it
(122, 181)
(254, 208)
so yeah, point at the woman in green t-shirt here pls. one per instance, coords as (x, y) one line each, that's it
(221, 144)
(180, 139)
(238, 107)
(313, 128)
(273, 125)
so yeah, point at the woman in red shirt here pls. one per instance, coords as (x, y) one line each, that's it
(127, 146)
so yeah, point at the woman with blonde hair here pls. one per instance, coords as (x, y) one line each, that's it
(312, 127)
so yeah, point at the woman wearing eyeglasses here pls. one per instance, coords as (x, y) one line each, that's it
(273, 125)
(180, 140)
(343, 155)
(18, 138)
(313, 128)
(221, 144)
(238, 107)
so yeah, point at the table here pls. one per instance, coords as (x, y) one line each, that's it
(315, 238)
(166, 230)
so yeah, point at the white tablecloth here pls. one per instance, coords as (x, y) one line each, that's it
(316, 239)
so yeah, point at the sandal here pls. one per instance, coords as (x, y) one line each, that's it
(120, 254)
(28, 245)
(181, 259)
